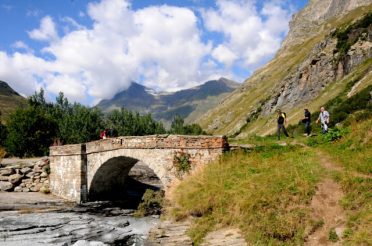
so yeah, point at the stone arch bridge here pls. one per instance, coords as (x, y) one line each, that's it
(81, 172)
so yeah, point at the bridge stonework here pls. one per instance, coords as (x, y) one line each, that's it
(82, 172)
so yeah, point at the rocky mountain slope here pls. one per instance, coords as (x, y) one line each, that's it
(9, 100)
(190, 103)
(323, 53)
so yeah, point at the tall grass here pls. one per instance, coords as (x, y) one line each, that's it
(263, 192)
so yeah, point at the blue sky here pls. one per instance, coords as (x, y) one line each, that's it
(91, 50)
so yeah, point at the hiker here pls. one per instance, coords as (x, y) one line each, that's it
(324, 119)
(307, 121)
(282, 120)
(102, 135)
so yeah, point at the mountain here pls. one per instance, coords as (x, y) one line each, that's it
(189, 103)
(328, 49)
(9, 100)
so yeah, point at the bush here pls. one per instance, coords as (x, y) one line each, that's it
(30, 132)
(182, 163)
(334, 134)
(151, 204)
(332, 236)
(178, 127)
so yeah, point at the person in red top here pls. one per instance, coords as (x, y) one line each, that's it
(102, 135)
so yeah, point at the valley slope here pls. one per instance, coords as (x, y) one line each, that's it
(9, 100)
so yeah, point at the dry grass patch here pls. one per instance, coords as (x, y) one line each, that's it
(264, 193)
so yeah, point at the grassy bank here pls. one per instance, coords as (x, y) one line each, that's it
(263, 192)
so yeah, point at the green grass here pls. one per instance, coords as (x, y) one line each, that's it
(354, 151)
(263, 192)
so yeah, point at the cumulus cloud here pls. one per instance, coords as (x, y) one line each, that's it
(158, 46)
(46, 31)
(251, 35)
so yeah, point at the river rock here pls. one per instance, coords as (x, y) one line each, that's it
(26, 170)
(89, 243)
(15, 178)
(25, 190)
(4, 178)
(30, 174)
(43, 175)
(6, 186)
(18, 189)
(7, 171)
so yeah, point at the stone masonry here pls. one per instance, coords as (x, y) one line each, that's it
(83, 172)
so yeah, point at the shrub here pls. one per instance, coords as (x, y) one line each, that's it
(334, 134)
(151, 204)
(182, 163)
(332, 236)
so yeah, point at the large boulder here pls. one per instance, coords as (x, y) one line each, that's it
(6, 186)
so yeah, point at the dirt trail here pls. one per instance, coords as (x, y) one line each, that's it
(326, 208)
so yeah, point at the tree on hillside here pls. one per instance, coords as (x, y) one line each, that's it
(30, 132)
(79, 124)
(178, 127)
(128, 123)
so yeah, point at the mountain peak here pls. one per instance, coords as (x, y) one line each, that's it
(6, 90)
(189, 103)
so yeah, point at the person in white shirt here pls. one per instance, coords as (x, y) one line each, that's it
(324, 119)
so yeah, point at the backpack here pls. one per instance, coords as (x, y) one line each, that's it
(281, 118)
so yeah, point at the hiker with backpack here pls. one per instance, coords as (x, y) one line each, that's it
(282, 120)
(324, 119)
(307, 121)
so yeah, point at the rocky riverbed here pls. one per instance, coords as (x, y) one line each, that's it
(32, 218)
(37, 219)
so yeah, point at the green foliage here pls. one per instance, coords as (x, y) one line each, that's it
(178, 127)
(182, 163)
(332, 236)
(129, 123)
(151, 204)
(30, 132)
(334, 134)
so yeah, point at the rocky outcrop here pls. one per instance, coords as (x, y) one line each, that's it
(25, 177)
(325, 64)
(307, 22)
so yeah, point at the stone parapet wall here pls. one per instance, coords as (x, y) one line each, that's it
(158, 142)
(70, 149)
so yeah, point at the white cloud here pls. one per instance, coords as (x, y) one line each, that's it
(224, 55)
(158, 46)
(22, 46)
(46, 32)
(251, 36)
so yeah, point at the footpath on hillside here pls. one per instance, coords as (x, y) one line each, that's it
(326, 209)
